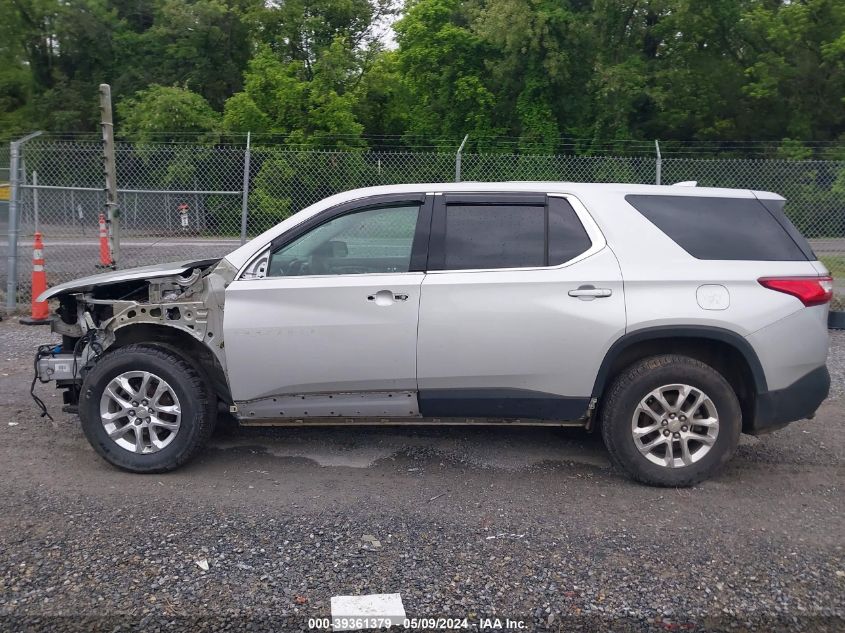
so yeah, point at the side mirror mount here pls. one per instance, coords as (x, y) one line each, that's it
(332, 249)
(339, 249)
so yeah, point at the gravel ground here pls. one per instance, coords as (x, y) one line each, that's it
(520, 523)
(836, 363)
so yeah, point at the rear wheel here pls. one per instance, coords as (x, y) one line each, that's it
(671, 421)
(145, 409)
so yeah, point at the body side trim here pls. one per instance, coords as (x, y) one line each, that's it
(399, 404)
(682, 331)
(501, 403)
(422, 236)
(801, 399)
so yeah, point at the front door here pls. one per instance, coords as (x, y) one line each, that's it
(336, 312)
(521, 301)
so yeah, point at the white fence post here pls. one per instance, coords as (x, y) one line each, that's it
(110, 174)
(658, 165)
(458, 159)
(245, 191)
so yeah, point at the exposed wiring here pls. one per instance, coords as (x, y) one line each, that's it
(90, 339)
(43, 350)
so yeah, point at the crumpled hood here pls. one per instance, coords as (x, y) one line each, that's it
(84, 284)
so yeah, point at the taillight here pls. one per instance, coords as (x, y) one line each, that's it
(812, 291)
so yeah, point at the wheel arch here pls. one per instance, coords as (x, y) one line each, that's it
(182, 344)
(724, 350)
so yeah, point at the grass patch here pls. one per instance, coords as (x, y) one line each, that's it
(835, 264)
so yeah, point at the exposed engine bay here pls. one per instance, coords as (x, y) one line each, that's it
(178, 306)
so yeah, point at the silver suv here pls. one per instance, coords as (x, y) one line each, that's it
(669, 318)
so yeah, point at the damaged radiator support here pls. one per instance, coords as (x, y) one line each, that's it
(173, 305)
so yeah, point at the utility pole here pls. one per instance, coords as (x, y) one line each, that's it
(110, 174)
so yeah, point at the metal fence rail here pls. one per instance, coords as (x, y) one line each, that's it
(5, 155)
(182, 201)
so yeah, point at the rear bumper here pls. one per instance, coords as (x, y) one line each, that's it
(776, 409)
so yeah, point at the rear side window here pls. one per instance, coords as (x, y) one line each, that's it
(567, 237)
(490, 235)
(494, 236)
(720, 228)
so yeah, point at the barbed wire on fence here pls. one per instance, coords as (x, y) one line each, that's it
(180, 200)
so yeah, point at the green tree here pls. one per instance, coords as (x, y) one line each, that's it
(280, 98)
(541, 67)
(15, 84)
(301, 30)
(796, 76)
(203, 45)
(167, 113)
(382, 101)
(68, 49)
(316, 73)
(442, 63)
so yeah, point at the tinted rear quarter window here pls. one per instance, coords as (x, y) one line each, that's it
(720, 228)
(567, 236)
(776, 207)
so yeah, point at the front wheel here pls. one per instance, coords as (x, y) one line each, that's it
(671, 421)
(145, 409)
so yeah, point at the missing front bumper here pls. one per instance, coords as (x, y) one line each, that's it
(56, 367)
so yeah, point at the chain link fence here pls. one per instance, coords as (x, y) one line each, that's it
(182, 201)
(4, 193)
(4, 163)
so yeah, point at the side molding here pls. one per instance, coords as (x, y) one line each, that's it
(501, 403)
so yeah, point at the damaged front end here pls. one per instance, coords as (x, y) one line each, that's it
(176, 306)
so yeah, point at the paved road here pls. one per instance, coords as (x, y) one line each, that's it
(832, 246)
(67, 259)
(527, 524)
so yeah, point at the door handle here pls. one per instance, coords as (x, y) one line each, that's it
(589, 292)
(386, 297)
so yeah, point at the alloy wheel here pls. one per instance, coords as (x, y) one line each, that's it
(675, 425)
(140, 412)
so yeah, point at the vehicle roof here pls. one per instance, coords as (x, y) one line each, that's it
(590, 192)
(549, 186)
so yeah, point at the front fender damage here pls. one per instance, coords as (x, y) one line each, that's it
(183, 310)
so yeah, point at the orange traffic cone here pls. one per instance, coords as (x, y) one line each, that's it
(105, 255)
(40, 309)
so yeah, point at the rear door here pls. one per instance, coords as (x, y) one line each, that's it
(521, 301)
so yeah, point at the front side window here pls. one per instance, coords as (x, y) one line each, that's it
(376, 240)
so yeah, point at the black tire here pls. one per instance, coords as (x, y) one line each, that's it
(635, 383)
(198, 407)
